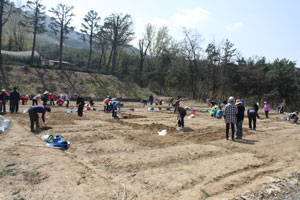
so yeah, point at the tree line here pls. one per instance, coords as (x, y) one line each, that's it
(159, 62)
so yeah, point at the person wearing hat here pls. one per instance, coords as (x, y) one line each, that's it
(3, 98)
(14, 98)
(240, 119)
(230, 113)
(266, 109)
(34, 117)
(45, 98)
(294, 116)
(213, 111)
(79, 104)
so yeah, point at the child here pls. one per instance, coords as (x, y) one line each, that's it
(213, 111)
(219, 113)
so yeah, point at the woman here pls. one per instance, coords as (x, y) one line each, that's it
(266, 109)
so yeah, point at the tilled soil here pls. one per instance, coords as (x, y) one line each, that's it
(112, 157)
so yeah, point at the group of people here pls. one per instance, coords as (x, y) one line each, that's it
(112, 105)
(13, 97)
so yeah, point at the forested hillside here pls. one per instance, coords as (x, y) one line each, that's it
(159, 63)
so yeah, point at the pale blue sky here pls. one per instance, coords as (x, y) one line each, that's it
(269, 28)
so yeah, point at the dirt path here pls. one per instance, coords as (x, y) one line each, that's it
(194, 163)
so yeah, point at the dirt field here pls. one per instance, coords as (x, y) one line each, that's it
(108, 155)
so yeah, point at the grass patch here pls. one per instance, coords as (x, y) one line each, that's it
(205, 193)
(11, 165)
(16, 192)
(5, 171)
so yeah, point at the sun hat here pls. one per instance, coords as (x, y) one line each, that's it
(231, 100)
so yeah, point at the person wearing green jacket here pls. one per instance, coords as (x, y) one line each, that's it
(213, 111)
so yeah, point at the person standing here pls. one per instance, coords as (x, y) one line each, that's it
(252, 114)
(35, 100)
(45, 98)
(266, 109)
(3, 98)
(67, 99)
(14, 98)
(230, 113)
(79, 105)
(151, 99)
(51, 97)
(34, 117)
(240, 119)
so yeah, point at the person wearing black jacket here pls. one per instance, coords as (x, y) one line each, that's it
(181, 112)
(240, 119)
(79, 104)
(3, 98)
(14, 100)
(252, 114)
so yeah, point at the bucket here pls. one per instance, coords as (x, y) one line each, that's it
(193, 112)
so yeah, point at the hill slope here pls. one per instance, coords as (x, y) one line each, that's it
(34, 80)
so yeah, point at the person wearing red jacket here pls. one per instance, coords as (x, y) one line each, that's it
(3, 98)
(51, 97)
(106, 102)
(60, 102)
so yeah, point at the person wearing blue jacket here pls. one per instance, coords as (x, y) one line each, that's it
(114, 106)
(34, 117)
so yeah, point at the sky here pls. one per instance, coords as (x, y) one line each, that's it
(257, 28)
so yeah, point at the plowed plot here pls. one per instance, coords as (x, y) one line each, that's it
(110, 157)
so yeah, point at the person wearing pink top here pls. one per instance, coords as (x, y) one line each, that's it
(51, 97)
(266, 109)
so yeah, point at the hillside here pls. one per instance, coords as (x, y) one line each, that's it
(34, 80)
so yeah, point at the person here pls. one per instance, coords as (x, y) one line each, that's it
(181, 112)
(67, 98)
(252, 114)
(35, 100)
(26, 98)
(79, 105)
(3, 98)
(230, 113)
(219, 113)
(114, 106)
(266, 109)
(45, 98)
(280, 109)
(34, 117)
(14, 98)
(151, 99)
(240, 119)
(23, 100)
(92, 104)
(60, 101)
(213, 111)
(144, 102)
(294, 116)
(106, 103)
(51, 97)
(256, 106)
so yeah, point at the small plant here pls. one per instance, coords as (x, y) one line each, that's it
(78, 183)
(205, 193)
(17, 191)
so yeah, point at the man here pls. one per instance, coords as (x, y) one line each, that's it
(51, 97)
(181, 112)
(252, 114)
(3, 98)
(240, 119)
(79, 104)
(114, 106)
(230, 113)
(14, 98)
(34, 117)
